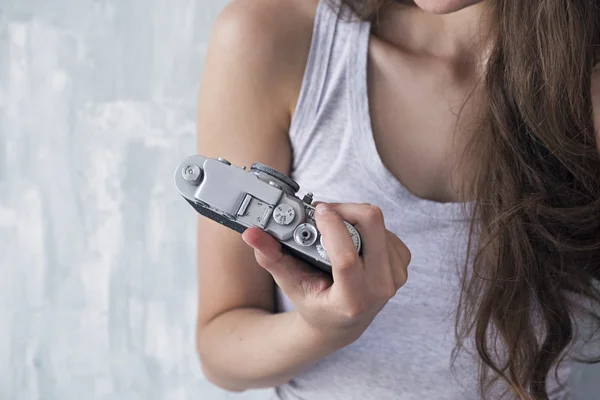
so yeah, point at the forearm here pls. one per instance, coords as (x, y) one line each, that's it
(250, 348)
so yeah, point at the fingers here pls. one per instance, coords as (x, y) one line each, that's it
(399, 260)
(385, 256)
(347, 266)
(267, 248)
(368, 220)
(294, 277)
(402, 250)
(357, 214)
(382, 267)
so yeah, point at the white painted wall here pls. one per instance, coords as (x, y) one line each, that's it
(97, 274)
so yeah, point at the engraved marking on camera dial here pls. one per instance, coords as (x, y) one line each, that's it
(192, 173)
(355, 239)
(305, 234)
(284, 214)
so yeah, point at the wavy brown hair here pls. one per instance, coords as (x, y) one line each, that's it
(536, 212)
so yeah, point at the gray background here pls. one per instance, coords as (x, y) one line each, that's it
(97, 284)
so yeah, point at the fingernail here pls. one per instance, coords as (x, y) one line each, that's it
(322, 208)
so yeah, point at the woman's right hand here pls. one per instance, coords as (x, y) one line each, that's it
(337, 311)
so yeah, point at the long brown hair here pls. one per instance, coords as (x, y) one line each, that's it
(537, 193)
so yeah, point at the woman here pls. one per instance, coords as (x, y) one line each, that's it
(458, 136)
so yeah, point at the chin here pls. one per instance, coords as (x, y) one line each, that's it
(444, 6)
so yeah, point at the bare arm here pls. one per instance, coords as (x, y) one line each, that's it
(251, 83)
(252, 71)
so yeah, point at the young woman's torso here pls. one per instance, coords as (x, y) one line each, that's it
(375, 123)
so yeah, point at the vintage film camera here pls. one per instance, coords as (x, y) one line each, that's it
(260, 197)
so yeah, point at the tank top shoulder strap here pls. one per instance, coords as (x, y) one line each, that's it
(327, 55)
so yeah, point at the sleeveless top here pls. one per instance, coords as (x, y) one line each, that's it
(406, 351)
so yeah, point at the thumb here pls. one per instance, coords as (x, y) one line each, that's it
(297, 279)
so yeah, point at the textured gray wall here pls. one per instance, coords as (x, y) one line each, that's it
(97, 284)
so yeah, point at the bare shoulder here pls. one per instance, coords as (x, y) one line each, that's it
(266, 19)
(251, 79)
(268, 38)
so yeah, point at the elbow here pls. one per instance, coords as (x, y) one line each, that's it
(214, 375)
(220, 381)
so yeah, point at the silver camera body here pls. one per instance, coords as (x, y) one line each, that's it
(259, 197)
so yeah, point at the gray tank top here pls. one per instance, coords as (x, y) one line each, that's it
(406, 351)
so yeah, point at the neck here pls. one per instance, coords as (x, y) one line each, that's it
(463, 33)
